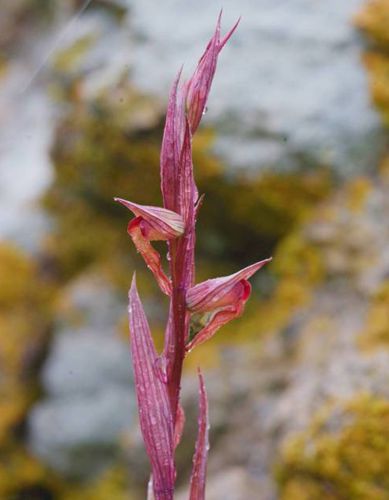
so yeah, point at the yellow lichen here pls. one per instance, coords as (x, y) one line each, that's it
(24, 301)
(65, 60)
(245, 217)
(373, 19)
(25, 311)
(23, 477)
(112, 484)
(298, 258)
(357, 192)
(377, 65)
(376, 332)
(347, 461)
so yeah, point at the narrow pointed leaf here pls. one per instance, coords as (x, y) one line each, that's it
(153, 403)
(138, 230)
(211, 294)
(199, 469)
(199, 86)
(173, 137)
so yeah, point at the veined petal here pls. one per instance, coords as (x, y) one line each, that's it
(199, 86)
(211, 294)
(163, 224)
(199, 469)
(138, 229)
(224, 314)
(153, 403)
(225, 297)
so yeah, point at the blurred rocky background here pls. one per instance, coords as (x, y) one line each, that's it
(293, 158)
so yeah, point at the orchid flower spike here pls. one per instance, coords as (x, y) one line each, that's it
(158, 377)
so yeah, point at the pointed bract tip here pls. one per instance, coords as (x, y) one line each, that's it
(237, 23)
(178, 76)
(121, 201)
(202, 389)
(133, 288)
(199, 469)
(230, 33)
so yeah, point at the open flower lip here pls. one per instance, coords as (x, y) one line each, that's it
(206, 296)
(231, 306)
(138, 229)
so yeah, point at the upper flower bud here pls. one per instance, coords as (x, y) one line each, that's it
(199, 86)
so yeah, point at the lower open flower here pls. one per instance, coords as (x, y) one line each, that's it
(224, 298)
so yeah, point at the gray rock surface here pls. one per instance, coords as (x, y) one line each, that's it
(26, 130)
(89, 402)
(29, 112)
(290, 87)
